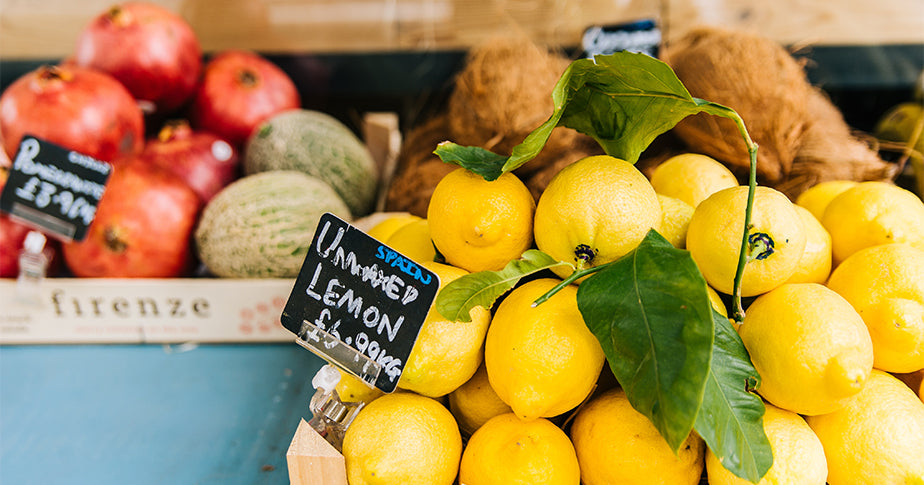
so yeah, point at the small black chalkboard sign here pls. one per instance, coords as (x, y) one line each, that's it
(54, 189)
(638, 36)
(358, 303)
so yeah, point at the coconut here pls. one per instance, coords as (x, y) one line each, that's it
(829, 150)
(757, 78)
(802, 137)
(411, 191)
(418, 168)
(503, 93)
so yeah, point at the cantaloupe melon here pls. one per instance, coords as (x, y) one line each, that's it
(261, 225)
(319, 145)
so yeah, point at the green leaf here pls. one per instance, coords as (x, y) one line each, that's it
(623, 100)
(651, 313)
(733, 426)
(458, 297)
(483, 162)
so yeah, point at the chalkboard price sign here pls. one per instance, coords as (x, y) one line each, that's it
(358, 303)
(54, 189)
(639, 36)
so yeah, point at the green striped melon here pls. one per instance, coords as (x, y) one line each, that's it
(321, 146)
(261, 225)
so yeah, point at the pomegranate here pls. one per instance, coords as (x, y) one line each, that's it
(12, 236)
(143, 226)
(81, 109)
(148, 48)
(202, 159)
(239, 90)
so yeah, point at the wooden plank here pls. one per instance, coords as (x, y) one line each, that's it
(30, 29)
(136, 310)
(312, 460)
(809, 22)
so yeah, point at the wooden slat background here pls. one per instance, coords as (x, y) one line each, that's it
(47, 29)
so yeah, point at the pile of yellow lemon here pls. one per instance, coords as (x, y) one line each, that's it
(522, 395)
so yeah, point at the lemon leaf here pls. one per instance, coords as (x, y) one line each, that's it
(652, 315)
(483, 162)
(730, 420)
(483, 288)
(623, 100)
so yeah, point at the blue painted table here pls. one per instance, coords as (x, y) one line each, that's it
(151, 414)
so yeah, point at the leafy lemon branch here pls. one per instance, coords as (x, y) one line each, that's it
(683, 365)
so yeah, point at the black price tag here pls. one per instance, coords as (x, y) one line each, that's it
(640, 36)
(54, 189)
(358, 303)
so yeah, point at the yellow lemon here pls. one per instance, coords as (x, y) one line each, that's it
(873, 213)
(542, 361)
(480, 225)
(413, 240)
(507, 450)
(446, 353)
(877, 437)
(475, 402)
(716, 301)
(617, 444)
(815, 264)
(402, 438)
(885, 284)
(798, 457)
(386, 223)
(817, 197)
(675, 219)
(715, 232)
(594, 211)
(809, 346)
(352, 389)
(691, 177)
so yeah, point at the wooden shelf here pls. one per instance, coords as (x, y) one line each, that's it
(47, 30)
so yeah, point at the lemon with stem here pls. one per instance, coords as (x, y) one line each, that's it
(775, 239)
(594, 211)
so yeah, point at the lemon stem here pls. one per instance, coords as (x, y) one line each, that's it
(737, 310)
(567, 281)
(760, 246)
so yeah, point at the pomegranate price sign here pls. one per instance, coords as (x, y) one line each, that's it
(54, 189)
(358, 303)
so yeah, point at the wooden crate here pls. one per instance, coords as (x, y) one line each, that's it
(169, 310)
(111, 310)
(30, 29)
(312, 460)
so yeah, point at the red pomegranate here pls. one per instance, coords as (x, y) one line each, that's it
(143, 227)
(238, 91)
(12, 238)
(148, 48)
(81, 109)
(202, 159)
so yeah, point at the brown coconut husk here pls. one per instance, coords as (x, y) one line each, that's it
(411, 191)
(829, 150)
(503, 93)
(802, 137)
(757, 78)
(418, 169)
